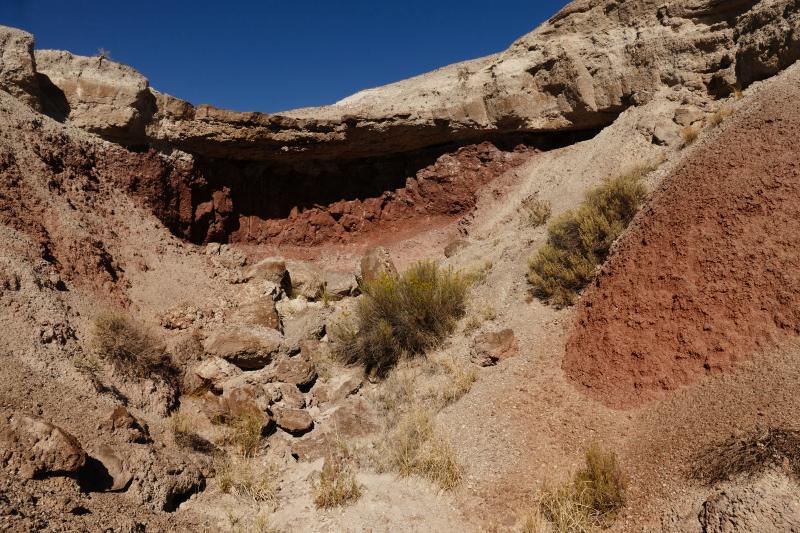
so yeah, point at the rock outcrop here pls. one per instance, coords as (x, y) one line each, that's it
(18, 67)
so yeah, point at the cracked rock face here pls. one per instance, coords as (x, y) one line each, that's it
(577, 71)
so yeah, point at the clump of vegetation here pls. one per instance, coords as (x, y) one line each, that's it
(581, 238)
(401, 316)
(128, 344)
(536, 212)
(721, 114)
(689, 134)
(414, 449)
(593, 497)
(180, 422)
(407, 401)
(749, 455)
(243, 431)
(334, 487)
(736, 88)
(102, 53)
(256, 480)
(478, 270)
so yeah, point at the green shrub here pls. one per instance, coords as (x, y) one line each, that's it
(580, 239)
(401, 316)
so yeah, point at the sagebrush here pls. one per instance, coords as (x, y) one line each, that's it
(580, 239)
(400, 316)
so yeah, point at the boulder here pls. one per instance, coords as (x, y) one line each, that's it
(340, 284)
(261, 313)
(306, 279)
(123, 425)
(352, 418)
(162, 477)
(289, 307)
(248, 349)
(298, 370)
(216, 371)
(231, 257)
(336, 389)
(493, 347)
(17, 66)
(291, 396)
(372, 263)
(107, 471)
(308, 324)
(293, 420)
(234, 403)
(96, 94)
(688, 115)
(455, 245)
(37, 447)
(271, 269)
(315, 350)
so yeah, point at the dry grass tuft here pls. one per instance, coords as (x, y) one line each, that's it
(721, 114)
(400, 317)
(243, 431)
(689, 134)
(536, 212)
(333, 487)
(749, 455)
(478, 270)
(593, 497)
(414, 449)
(736, 88)
(180, 422)
(581, 238)
(256, 479)
(128, 344)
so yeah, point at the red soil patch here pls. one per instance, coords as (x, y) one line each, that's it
(708, 274)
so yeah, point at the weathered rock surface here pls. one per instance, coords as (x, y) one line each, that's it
(493, 347)
(109, 471)
(217, 371)
(98, 95)
(373, 262)
(298, 370)
(271, 269)
(246, 348)
(18, 66)
(122, 424)
(37, 447)
(336, 389)
(306, 278)
(302, 326)
(293, 420)
(262, 313)
(772, 505)
(340, 284)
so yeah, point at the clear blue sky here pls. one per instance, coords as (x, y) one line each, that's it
(274, 56)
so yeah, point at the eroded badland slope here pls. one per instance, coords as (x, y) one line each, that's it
(217, 249)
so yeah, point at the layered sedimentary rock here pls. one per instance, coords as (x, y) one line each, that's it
(318, 174)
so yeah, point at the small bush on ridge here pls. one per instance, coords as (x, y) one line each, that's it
(401, 316)
(580, 239)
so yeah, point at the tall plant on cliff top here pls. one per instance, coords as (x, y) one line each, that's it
(401, 315)
(580, 239)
